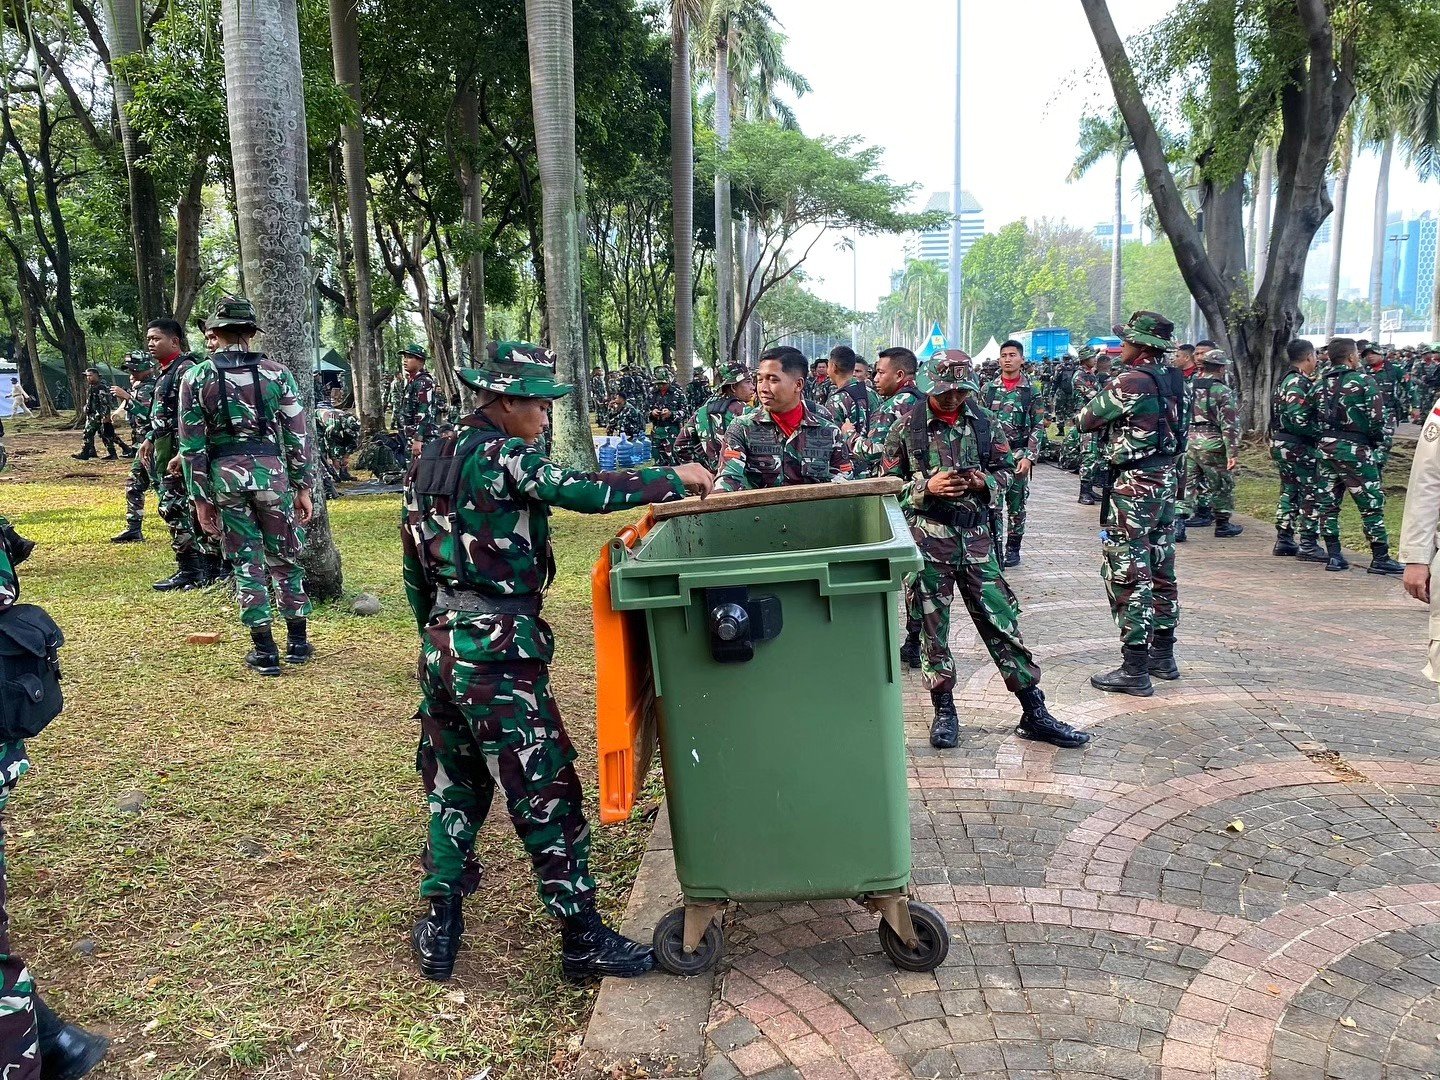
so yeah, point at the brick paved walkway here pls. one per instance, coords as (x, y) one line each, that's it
(1110, 917)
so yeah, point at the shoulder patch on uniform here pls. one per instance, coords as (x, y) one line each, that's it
(1431, 432)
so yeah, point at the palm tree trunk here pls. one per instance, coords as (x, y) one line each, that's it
(1337, 235)
(682, 189)
(1115, 270)
(1263, 184)
(475, 218)
(550, 28)
(265, 102)
(188, 222)
(365, 364)
(724, 261)
(1377, 252)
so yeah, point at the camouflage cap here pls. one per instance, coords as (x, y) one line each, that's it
(1215, 358)
(233, 311)
(138, 361)
(516, 369)
(415, 349)
(92, 370)
(731, 374)
(664, 374)
(946, 374)
(1086, 352)
(1150, 329)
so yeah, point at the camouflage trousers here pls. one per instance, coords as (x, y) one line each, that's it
(1296, 511)
(1138, 552)
(1072, 450)
(483, 722)
(662, 441)
(1349, 466)
(914, 617)
(262, 543)
(172, 503)
(105, 429)
(1092, 460)
(19, 1049)
(135, 488)
(993, 609)
(1192, 481)
(1017, 494)
(1382, 452)
(1205, 462)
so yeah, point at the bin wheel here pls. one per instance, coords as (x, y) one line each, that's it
(669, 942)
(932, 937)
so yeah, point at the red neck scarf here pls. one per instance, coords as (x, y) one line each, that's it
(165, 364)
(950, 418)
(1011, 384)
(789, 422)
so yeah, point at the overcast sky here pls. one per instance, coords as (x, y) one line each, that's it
(886, 72)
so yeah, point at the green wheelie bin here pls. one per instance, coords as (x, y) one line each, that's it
(774, 653)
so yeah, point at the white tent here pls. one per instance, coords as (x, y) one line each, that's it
(990, 352)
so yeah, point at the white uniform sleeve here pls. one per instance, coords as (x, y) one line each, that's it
(1422, 500)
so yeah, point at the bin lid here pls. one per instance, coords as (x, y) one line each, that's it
(739, 500)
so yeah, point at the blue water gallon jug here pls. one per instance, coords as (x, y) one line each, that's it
(608, 456)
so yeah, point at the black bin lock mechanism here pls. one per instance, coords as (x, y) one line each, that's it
(738, 620)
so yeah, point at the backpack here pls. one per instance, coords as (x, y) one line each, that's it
(228, 362)
(30, 695)
(1174, 417)
(1027, 401)
(861, 397)
(918, 441)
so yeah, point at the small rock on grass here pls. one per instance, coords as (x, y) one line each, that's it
(84, 947)
(132, 802)
(366, 604)
(250, 848)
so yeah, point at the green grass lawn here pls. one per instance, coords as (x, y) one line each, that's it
(253, 918)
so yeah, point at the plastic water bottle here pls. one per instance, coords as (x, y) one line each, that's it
(624, 453)
(608, 456)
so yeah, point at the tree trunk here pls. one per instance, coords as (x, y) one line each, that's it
(1377, 252)
(752, 263)
(188, 213)
(1115, 269)
(724, 253)
(266, 107)
(475, 218)
(551, 33)
(29, 358)
(682, 190)
(1263, 184)
(1337, 235)
(122, 19)
(366, 367)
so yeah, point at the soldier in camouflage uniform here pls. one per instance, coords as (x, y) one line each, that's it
(851, 402)
(697, 391)
(785, 441)
(1387, 375)
(817, 387)
(99, 401)
(1352, 427)
(338, 430)
(417, 402)
(139, 402)
(954, 457)
(599, 395)
(247, 465)
(1071, 450)
(1213, 451)
(476, 536)
(1142, 412)
(667, 413)
(1020, 414)
(703, 436)
(1192, 486)
(1294, 430)
(624, 418)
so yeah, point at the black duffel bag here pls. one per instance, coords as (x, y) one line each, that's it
(30, 695)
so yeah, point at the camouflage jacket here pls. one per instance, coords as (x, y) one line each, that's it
(338, 430)
(757, 455)
(1022, 425)
(703, 436)
(672, 398)
(870, 448)
(627, 420)
(1139, 419)
(242, 427)
(9, 579)
(1213, 414)
(1387, 377)
(417, 412)
(697, 393)
(1350, 404)
(816, 392)
(492, 535)
(851, 407)
(165, 411)
(98, 402)
(139, 407)
(1293, 408)
(948, 446)
(1085, 386)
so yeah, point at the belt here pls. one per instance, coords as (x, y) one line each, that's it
(956, 517)
(1290, 437)
(1347, 436)
(1154, 461)
(486, 603)
(248, 447)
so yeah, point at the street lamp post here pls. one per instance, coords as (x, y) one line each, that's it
(957, 195)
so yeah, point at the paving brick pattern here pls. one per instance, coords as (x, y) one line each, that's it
(1238, 879)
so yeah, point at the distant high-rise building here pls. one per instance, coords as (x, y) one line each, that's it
(1408, 272)
(1105, 230)
(933, 245)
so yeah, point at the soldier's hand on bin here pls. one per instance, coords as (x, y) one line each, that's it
(696, 478)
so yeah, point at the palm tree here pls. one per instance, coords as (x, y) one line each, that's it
(265, 102)
(682, 182)
(719, 26)
(1421, 127)
(550, 27)
(1345, 153)
(1103, 137)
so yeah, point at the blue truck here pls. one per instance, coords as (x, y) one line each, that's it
(1044, 343)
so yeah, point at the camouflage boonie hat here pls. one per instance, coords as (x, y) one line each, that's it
(232, 311)
(1215, 358)
(138, 361)
(1086, 352)
(414, 349)
(731, 374)
(664, 374)
(1150, 329)
(946, 375)
(516, 369)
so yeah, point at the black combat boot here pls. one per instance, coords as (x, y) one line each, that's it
(86, 452)
(945, 728)
(297, 649)
(264, 658)
(1179, 530)
(1161, 659)
(1131, 677)
(1037, 722)
(910, 651)
(126, 451)
(190, 575)
(1285, 543)
(131, 535)
(1200, 518)
(1334, 557)
(110, 454)
(591, 950)
(435, 939)
(345, 476)
(1225, 528)
(218, 570)
(1012, 551)
(1382, 563)
(1310, 551)
(1087, 494)
(67, 1051)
